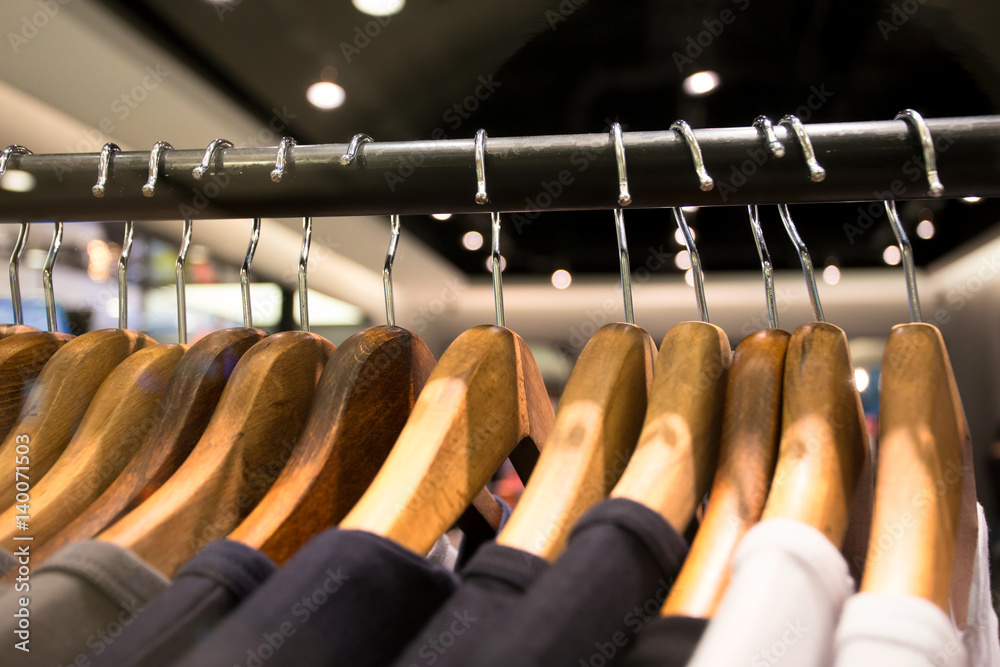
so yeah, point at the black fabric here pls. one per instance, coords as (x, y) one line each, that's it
(476, 531)
(493, 581)
(666, 642)
(205, 590)
(346, 598)
(588, 607)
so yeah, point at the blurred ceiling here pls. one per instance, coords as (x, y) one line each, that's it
(522, 67)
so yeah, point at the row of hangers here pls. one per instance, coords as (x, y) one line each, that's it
(268, 439)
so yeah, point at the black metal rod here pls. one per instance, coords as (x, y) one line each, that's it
(864, 161)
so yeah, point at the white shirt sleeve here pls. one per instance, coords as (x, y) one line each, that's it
(788, 586)
(981, 636)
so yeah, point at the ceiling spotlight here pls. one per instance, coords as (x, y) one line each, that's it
(925, 229)
(972, 200)
(679, 236)
(682, 260)
(891, 255)
(689, 277)
(440, 216)
(379, 7)
(861, 379)
(690, 209)
(561, 279)
(472, 240)
(326, 95)
(701, 83)
(831, 275)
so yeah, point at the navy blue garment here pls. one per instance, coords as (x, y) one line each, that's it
(666, 642)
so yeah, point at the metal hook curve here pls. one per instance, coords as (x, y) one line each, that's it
(390, 256)
(765, 266)
(624, 199)
(766, 131)
(352, 149)
(279, 162)
(805, 260)
(909, 268)
(480, 152)
(245, 273)
(123, 275)
(816, 172)
(307, 228)
(934, 186)
(154, 167)
(199, 172)
(22, 238)
(181, 283)
(103, 167)
(47, 289)
(680, 126)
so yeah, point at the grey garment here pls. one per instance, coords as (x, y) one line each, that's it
(443, 553)
(79, 602)
(7, 562)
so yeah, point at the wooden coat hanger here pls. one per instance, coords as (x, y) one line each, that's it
(484, 401)
(597, 424)
(751, 427)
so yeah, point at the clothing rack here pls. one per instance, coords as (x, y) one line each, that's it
(864, 161)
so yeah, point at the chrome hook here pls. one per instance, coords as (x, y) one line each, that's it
(352, 149)
(696, 270)
(199, 172)
(103, 167)
(687, 135)
(245, 273)
(766, 131)
(279, 162)
(765, 267)
(123, 275)
(934, 185)
(908, 264)
(624, 199)
(179, 266)
(22, 238)
(816, 172)
(50, 261)
(481, 197)
(390, 256)
(497, 266)
(307, 228)
(805, 260)
(154, 167)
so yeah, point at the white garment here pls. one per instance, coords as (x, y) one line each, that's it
(908, 631)
(781, 608)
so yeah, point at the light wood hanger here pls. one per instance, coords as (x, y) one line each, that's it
(8, 330)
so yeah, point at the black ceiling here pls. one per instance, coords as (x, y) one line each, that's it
(564, 66)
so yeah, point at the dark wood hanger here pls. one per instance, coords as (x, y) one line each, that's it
(596, 428)
(363, 399)
(21, 360)
(59, 398)
(194, 391)
(248, 440)
(484, 401)
(673, 463)
(128, 405)
(751, 428)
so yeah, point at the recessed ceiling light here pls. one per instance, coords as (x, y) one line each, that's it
(472, 240)
(15, 180)
(925, 229)
(891, 255)
(861, 379)
(379, 7)
(679, 235)
(682, 260)
(689, 277)
(326, 95)
(972, 200)
(690, 209)
(440, 216)
(561, 279)
(701, 83)
(831, 275)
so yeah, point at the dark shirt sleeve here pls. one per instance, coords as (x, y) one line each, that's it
(205, 590)
(618, 568)
(346, 598)
(494, 580)
(666, 642)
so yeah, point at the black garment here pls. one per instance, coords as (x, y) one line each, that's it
(205, 590)
(588, 607)
(493, 581)
(346, 598)
(666, 642)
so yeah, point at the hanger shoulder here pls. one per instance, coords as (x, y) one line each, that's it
(14, 329)
(21, 360)
(751, 427)
(60, 397)
(918, 494)
(363, 399)
(128, 405)
(595, 430)
(195, 388)
(823, 437)
(674, 460)
(249, 438)
(484, 397)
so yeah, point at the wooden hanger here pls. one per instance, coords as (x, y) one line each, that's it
(128, 405)
(195, 388)
(750, 431)
(363, 399)
(21, 360)
(7, 330)
(248, 440)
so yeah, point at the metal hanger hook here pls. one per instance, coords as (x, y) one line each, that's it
(805, 260)
(682, 128)
(481, 197)
(352, 149)
(50, 262)
(123, 275)
(766, 130)
(934, 186)
(390, 256)
(104, 165)
(497, 266)
(624, 199)
(307, 228)
(765, 267)
(154, 167)
(279, 162)
(909, 268)
(199, 172)
(179, 267)
(816, 172)
(245, 273)
(696, 270)
(22, 238)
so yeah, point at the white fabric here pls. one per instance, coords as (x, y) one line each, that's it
(879, 629)
(781, 608)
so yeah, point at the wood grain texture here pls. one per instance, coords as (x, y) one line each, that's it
(673, 463)
(364, 397)
(126, 408)
(248, 440)
(751, 428)
(596, 428)
(21, 360)
(14, 329)
(194, 392)
(60, 397)
(823, 437)
(922, 436)
(484, 397)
